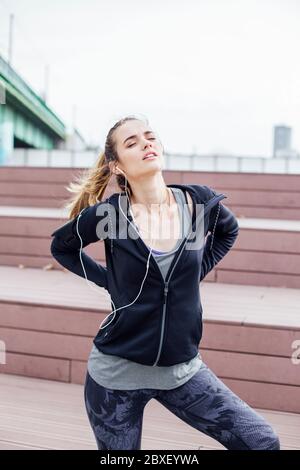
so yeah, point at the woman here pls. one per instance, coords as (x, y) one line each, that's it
(147, 347)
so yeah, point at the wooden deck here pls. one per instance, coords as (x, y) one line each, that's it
(40, 414)
(254, 194)
(48, 319)
(266, 252)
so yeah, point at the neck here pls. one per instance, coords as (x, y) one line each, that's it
(149, 191)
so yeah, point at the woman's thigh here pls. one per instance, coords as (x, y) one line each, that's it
(116, 416)
(208, 405)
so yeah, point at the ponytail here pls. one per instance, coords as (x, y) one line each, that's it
(89, 186)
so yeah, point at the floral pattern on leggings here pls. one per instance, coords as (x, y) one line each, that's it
(204, 402)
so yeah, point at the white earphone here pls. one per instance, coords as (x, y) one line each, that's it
(92, 286)
(121, 171)
(147, 265)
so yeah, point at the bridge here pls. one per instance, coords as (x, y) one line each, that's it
(25, 119)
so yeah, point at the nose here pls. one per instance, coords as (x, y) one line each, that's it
(147, 143)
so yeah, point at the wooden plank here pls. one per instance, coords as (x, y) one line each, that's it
(29, 201)
(261, 395)
(222, 181)
(35, 189)
(230, 303)
(36, 366)
(17, 245)
(61, 320)
(78, 371)
(256, 367)
(37, 343)
(250, 194)
(283, 263)
(255, 278)
(51, 415)
(264, 212)
(249, 339)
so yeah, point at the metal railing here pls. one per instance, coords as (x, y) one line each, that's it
(212, 163)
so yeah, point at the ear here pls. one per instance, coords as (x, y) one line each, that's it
(112, 167)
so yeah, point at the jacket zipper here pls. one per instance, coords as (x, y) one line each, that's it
(166, 289)
(211, 202)
(166, 282)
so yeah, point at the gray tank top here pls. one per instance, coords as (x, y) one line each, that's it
(122, 374)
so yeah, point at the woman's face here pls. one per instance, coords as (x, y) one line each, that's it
(134, 139)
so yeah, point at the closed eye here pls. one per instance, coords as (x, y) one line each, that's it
(150, 138)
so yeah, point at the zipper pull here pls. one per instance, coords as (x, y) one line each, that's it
(214, 227)
(166, 289)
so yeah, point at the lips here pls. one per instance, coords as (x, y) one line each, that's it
(148, 154)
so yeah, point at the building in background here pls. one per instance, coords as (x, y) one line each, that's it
(282, 143)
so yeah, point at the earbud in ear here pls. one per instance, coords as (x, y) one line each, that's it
(120, 170)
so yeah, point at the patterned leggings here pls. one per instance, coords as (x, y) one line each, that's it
(204, 402)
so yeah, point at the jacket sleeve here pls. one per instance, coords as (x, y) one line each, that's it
(223, 228)
(65, 246)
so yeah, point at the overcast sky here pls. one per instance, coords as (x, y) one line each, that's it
(210, 75)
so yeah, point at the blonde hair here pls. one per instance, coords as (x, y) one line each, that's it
(90, 185)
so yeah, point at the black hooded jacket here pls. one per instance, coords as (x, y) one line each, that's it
(163, 326)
